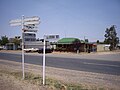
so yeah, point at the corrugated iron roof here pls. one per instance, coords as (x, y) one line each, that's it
(68, 40)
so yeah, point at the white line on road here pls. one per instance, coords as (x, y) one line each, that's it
(102, 64)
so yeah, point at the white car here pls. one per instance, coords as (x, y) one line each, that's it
(1, 48)
(31, 50)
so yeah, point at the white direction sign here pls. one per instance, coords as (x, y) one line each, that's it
(16, 21)
(34, 18)
(15, 24)
(26, 21)
(32, 22)
(27, 24)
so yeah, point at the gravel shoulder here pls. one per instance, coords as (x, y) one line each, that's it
(87, 79)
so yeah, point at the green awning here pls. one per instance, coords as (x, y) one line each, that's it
(68, 41)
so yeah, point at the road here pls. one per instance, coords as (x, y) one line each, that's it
(79, 64)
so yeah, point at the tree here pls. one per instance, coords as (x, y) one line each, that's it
(86, 40)
(98, 42)
(111, 37)
(4, 40)
(16, 40)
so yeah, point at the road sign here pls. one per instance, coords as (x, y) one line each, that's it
(29, 19)
(15, 21)
(15, 24)
(23, 22)
(26, 21)
(52, 37)
(32, 26)
(28, 30)
(32, 22)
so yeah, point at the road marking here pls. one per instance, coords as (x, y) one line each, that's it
(102, 64)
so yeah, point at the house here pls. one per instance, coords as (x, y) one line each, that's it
(14, 43)
(68, 44)
(74, 45)
(11, 46)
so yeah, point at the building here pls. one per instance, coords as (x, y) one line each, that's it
(14, 43)
(74, 45)
(68, 44)
(103, 47)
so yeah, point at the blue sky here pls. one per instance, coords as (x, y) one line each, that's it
(68, 18)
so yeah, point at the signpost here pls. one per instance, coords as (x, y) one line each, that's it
(23, 57)
(47, 37)
(23, 22)
(44, 60)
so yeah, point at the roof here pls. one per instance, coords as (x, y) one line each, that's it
(68, 40)
(82, 41)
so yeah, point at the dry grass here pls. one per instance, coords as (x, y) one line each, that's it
(51, 84)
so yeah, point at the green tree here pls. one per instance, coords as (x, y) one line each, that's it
(0, 41)
(16, 40)
(98, 42)
(111, 37)
(86, 40)
(4, 40)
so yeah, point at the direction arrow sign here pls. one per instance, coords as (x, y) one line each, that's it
(15, 24)
(27, 21)
(30, 27)
(34, 18)
(27, 30)
(32, 22)
(15, 21)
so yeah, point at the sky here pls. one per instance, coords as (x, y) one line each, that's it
(67, 18)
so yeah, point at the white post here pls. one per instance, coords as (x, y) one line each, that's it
(23, 47)
(44, 62)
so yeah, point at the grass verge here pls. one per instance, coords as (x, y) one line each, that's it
(50, 83)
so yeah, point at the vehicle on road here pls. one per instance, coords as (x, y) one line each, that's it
(47, 50)
(31, 50)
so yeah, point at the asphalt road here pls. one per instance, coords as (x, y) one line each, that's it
(89, 65)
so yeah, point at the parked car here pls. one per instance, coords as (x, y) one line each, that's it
(31, 50)
(1, 48)
(47, 50)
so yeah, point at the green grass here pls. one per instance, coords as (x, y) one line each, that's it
(51, 83)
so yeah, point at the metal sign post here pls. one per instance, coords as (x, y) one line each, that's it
(44, 62)
(46, 37)
(22, 24)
